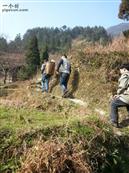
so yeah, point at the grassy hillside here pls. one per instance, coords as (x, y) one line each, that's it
(95, 71)
(36, 141)
(43, 133)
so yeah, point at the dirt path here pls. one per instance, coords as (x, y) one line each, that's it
(78, 101)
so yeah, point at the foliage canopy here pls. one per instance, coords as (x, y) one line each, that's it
(124, 10)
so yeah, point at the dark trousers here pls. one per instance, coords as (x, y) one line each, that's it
(64, 77)
(115, 104)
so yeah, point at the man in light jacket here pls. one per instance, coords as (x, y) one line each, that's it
(122, 97)
(64, 68)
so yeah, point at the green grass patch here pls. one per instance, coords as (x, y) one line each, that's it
(22, 127)
(19, 119)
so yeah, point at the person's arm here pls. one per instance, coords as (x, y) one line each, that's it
(43, 68)
(59, 64)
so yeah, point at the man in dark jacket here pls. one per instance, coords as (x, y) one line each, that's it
(64, 68)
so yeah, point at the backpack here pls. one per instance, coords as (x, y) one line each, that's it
(50, 68)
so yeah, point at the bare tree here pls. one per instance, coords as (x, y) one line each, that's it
(9, 65)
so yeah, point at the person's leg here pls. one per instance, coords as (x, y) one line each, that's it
(47, 79)
(115, 104)
(43, 83)
(62, 81)
(66, 79)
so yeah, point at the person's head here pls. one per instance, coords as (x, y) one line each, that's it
(124, 68)
(45, 60)
(65, 55)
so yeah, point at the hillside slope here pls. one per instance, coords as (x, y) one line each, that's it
(49, 134)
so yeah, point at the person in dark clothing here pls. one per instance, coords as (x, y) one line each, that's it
(64, 68)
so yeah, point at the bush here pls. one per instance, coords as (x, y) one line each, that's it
(26, 72)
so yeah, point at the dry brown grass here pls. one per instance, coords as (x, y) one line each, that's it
(98, 69)
(25, 95)
(119, 44)
(54, 157)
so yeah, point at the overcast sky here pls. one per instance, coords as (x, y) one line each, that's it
(51, 13)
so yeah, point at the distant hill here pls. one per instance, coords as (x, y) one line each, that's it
(117, 29)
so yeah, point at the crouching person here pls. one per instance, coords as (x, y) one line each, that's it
(122, 97)
(47, 70)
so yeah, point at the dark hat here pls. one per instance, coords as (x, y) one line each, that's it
(126, 66)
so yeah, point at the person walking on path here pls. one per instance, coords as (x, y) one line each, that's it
(45, 77)
(122, 97)
(64, 69)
